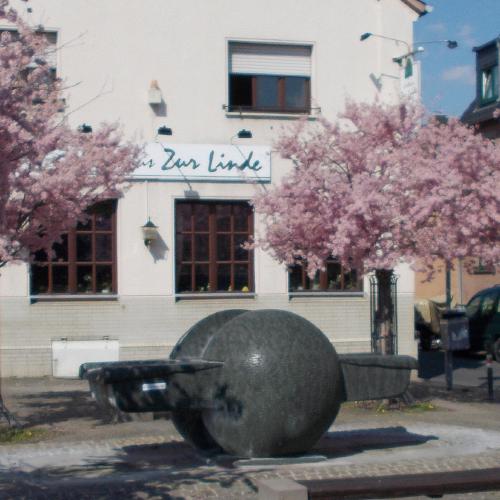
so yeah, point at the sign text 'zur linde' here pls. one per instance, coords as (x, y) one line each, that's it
(206, 162)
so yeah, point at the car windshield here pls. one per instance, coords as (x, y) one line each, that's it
(488, 304)
(472, 307)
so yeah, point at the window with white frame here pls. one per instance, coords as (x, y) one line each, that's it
(265, 77)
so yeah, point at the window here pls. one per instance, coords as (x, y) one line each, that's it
(50, 55)
(334, 279)
(489, 84)
(84, 262)
(269, 78)
(209, 253)
(482, 268)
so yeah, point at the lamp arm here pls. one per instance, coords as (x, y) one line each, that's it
(453, 42)
(368, 35)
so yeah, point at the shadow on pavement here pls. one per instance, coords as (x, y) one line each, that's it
(429, 390)
(174, 470)
(170, 470)
(55, 406)
(345, 443)
(470, 382)
(199, 484)
(431, 363)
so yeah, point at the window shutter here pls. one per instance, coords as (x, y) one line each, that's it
(269, 59)
(51, 53)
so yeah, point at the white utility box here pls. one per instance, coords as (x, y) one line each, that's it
(69, 354)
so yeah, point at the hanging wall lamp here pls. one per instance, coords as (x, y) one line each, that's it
(149, 232)
(84, 128)
(154, 94)
(244, 134)
(164, 130)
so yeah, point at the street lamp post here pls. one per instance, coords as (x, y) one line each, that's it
(405, 60)
(412, 49)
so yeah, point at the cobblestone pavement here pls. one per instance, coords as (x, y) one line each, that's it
(83, 457)
(159, 468)
(156, 468)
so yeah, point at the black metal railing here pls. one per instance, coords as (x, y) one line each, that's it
(377, 338)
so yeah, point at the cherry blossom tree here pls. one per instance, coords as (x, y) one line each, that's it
(376, 188)
(49, 172)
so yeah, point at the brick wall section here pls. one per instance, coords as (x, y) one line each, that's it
(148, 327)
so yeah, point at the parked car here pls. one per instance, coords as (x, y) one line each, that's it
(483, 311)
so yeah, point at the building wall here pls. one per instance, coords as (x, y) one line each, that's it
(464, 283)
(490, 129)
(109, 54)
(149, 326)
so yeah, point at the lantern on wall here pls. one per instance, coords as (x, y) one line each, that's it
(149, 232)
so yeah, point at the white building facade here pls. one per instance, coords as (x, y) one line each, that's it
(185, 78)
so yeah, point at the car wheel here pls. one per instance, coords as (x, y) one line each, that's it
(496, 350)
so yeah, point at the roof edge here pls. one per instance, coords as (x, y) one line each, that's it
(495, 41)
(420, 7)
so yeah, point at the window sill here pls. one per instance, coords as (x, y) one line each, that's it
(222, 295)
(480, 272)
(267, 115)
(74, 297)
(309, 294)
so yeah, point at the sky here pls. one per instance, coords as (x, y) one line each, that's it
(448, 75)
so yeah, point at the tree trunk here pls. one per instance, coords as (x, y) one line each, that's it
(384, 319)
(6, 414)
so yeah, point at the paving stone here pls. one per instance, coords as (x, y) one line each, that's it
(150, 459)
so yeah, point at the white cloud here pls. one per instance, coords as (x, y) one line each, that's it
(466, 36)
(464, 74)
(465, 30)
(437, 28)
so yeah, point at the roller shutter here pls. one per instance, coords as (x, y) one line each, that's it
(269, 59)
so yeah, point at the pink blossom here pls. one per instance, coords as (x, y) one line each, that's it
(376, 187)
(49, 173)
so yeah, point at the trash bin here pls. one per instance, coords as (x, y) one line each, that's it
(454, 326)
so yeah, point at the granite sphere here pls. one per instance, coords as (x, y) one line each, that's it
(279, 389)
